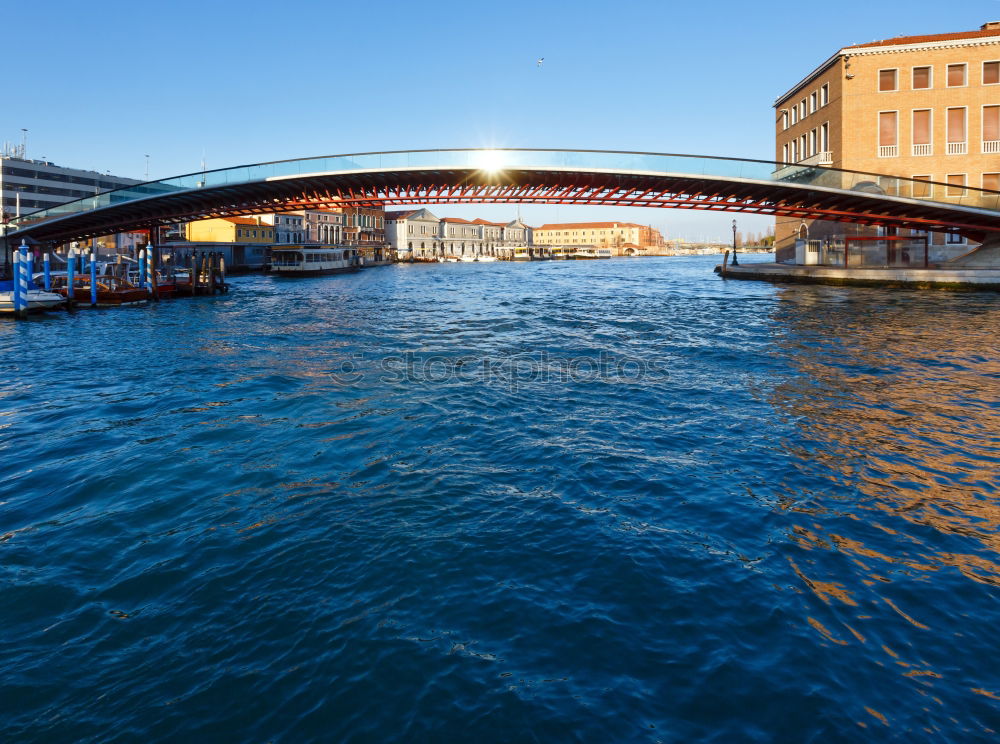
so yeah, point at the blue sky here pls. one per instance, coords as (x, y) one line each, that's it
(109, 82)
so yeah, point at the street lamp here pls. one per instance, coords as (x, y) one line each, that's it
(735, 260)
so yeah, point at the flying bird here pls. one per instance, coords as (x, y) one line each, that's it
(540, 60)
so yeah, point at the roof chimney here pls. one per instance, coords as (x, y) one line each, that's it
(991, 26)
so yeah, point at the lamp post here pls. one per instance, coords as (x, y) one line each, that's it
(735, 260)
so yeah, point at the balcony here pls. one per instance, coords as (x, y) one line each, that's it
(991, 147)
(820, 158)
(888, 151)
(923, 150)
(958, 148)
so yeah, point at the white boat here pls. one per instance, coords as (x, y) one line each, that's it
(487, 259)
(452, 259)
(313, 260)
(38, 299)
(468, 259)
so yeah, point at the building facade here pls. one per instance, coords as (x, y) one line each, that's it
(419, 234)
(623, 238)
(244, 241)
(921, 107)
(29, 185)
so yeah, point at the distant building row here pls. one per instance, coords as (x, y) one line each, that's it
(419, 233)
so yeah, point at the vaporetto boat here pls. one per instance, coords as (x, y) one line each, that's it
(313, 260)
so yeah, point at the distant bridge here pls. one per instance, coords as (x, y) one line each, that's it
(523, 176)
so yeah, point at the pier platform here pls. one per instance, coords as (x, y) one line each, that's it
(956, 278)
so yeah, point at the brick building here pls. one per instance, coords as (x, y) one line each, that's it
(921, 107)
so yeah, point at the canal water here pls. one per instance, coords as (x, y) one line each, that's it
(583, 501)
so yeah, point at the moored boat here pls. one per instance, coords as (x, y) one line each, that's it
(112, 291)
(38, 300)
(300, 260)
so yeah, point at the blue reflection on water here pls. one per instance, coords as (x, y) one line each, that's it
(602, 500)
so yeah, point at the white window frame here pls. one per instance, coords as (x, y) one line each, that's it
(784, 120)
(955, 64)
(813, 101)
(886, 149)
(930, 145)
(824, 94)
(824, 136)
(930, 77)
(994, 147)
(949, 186)
(802, 110)
(795, 115)
(947, 143)
(982, 71)
(982, 178)
(878, 80)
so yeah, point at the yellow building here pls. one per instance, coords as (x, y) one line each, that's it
(230, 230)
(922, 107)
(624, 238)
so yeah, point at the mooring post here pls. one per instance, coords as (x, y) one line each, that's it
(25, 278)
(194, 273)
(725, 260)
(48, 273)
(142, 268)
(151, 263)
(222, 272)
(204, 266)
(16, 275)
(93, 280)
(70, 277)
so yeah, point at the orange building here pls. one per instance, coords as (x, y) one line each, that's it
(921, 107)
(624, 238)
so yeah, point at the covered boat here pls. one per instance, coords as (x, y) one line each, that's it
(313, 260)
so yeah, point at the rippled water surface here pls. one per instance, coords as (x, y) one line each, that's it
(582, 501)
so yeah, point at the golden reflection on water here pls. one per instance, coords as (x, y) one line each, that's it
(898, 399)
(894, 403)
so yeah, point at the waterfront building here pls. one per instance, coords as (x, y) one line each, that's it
(623, 238)
(244, 241)
(28, 185)
(289, 227)
(413, 233)
(421, 234)
(922, 107)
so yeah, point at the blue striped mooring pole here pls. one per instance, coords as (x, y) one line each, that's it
(17, 283)
(70, 277)
(93, 281)
(142, 268)
(25, 277)
(48, 274)
(150, 268)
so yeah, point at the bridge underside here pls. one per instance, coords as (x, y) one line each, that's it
(516, 186)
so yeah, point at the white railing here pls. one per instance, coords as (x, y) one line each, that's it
(888, 151)
(958, 148)
(923, 150)
(991, 146)
(820, 158)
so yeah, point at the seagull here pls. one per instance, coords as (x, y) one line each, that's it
(539, 62)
